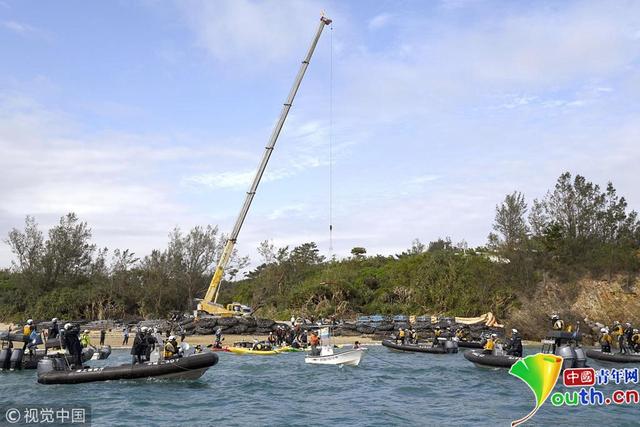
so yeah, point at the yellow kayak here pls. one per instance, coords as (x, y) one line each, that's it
(241, 350)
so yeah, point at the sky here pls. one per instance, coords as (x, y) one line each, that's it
(143, 116)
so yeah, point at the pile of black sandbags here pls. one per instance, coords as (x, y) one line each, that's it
(229, 325)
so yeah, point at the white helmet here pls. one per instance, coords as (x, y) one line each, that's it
(603, 330)
(55, 319)
(29, 321)
(86, 331)
(494, 335)
(514, 331)
(172, 337)
(67, 325)
(144, 329)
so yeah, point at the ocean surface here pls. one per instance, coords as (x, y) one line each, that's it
(387, 389)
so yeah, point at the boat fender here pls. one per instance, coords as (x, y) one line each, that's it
(16, 359)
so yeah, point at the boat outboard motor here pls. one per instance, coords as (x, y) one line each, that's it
(5, 358)
(568, 355)
(581, 358)
(16, 359)
(451, 346)
(87, 353)
(45, 364)
(104, 352)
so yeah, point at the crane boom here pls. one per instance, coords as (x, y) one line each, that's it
(209, 303)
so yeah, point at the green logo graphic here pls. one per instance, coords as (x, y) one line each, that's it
(540, 372)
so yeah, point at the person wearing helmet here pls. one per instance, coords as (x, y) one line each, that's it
(149, 343)
(138, 349)
(605, 340)
(490, 344)
(515, 344)
(28, 328)
(54, 329)
(557, 324)
(72, 344)
(218, 341)
(171, 348)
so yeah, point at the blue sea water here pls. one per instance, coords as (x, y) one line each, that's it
(387, 389)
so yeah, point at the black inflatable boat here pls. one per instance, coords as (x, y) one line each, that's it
(444, 348)
(15, 360)
(613, 357)
(189, 367)
(481, 359)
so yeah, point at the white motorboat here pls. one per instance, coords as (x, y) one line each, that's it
(328, 357)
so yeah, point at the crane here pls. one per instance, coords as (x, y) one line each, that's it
(209, 303)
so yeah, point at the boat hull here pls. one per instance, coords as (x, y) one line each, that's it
(347, 358)
(250, 352)
(480, 359)
(613, 357)
(191, 367)
(417, 348)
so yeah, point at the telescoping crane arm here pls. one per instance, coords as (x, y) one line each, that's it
(209, 303)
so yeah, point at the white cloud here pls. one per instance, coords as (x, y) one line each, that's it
(18, 27)
(379, 21)
(251, 32)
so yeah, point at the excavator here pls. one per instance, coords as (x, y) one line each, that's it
(209, 304)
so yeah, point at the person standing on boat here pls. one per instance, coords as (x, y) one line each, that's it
(72, 344)
(605, 341)
(414, 336)
(150, 344)
(401, 336)
(138, 348)
(515, 344)
(85, 340)
(54, 329)
(626, 340)
(26, 333)
(557, 324)
(436, 334)
(314, 340)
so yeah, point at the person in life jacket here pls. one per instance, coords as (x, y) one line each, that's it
(490, 344)
(171, 347)
(414, 336)
(26, 333)
(314, 340)
(515, 344)
(400, 336)
(618, 333)
(635, 341)
(436, 334)
(557, 324)
(605, 340)
(271, 339)
(85, 340)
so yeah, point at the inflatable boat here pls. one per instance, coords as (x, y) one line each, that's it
(15, 359)
(443, 347)
(613, 357)
(51, 371)
(470, 344)
(487, 360)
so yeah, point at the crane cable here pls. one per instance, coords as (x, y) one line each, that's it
(331, 142)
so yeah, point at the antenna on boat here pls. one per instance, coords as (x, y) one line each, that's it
(331, 142)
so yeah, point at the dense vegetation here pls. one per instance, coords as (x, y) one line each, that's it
(577, 229)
